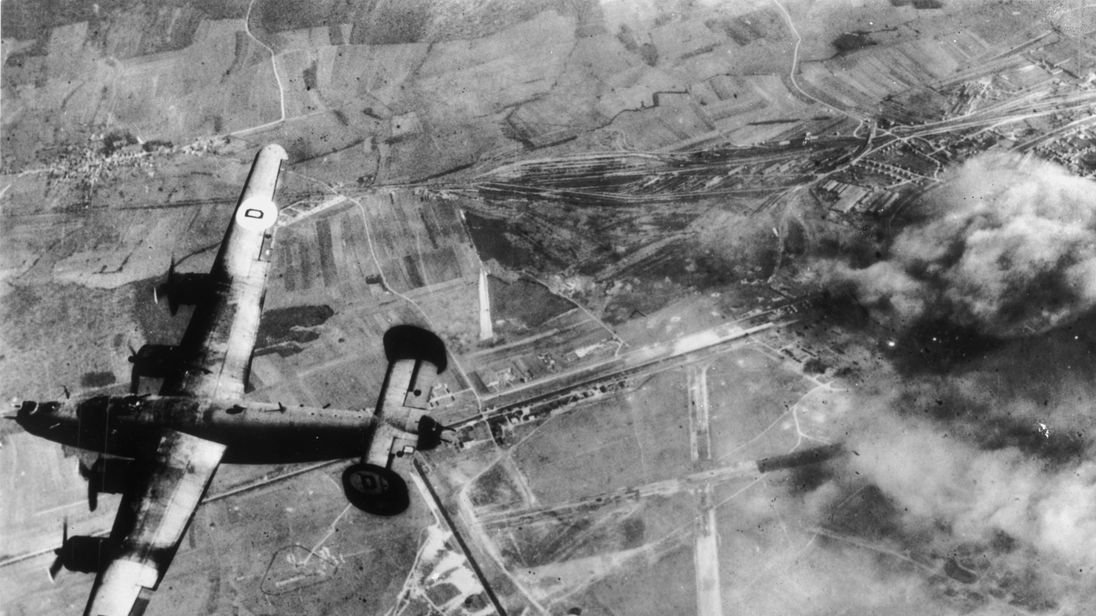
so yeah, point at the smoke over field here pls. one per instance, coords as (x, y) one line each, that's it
(1007, 246)
(973, 482)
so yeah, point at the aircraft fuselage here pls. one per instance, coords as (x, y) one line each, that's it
(253, 432)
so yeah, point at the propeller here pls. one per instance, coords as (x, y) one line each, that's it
(79, 553)
(93, 494)
(134, 374)
(87, 471)
(58, 561)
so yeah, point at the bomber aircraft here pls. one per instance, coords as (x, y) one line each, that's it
(160, 451)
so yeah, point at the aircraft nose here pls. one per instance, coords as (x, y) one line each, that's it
(26, 409)
(35, 417)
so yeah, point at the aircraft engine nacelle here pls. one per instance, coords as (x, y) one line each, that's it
(375, 489)
(106, 475)
(83, 554)
(182, 289)
(153, 361)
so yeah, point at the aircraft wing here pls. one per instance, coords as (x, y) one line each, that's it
(214, 356)
(151, 520)
(384, 444)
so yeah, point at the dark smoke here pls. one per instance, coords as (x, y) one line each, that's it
(1006, 247)
(970, 481)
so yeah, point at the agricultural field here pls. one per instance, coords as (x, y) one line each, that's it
(712, 346)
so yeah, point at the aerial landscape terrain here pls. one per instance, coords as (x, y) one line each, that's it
(751, 306)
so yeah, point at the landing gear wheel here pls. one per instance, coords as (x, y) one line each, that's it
(375, 489)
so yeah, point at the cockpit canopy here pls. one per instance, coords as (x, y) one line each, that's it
(30, 408)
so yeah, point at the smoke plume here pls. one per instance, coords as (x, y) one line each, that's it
(953, 489)
(970, 486)
(980, 493)
(1006, 246)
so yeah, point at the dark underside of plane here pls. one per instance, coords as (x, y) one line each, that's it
(161, 451)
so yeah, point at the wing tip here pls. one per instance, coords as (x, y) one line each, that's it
(275, 150)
